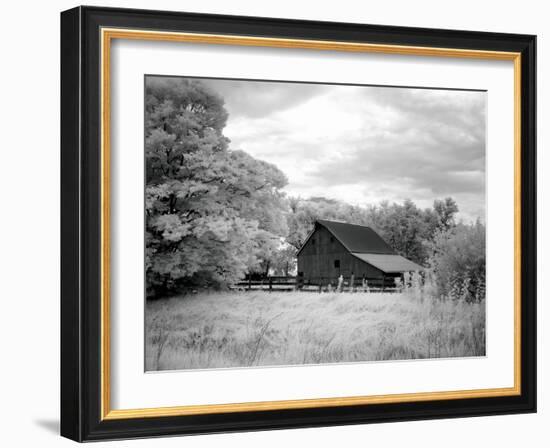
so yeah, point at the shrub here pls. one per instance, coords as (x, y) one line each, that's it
(457, 261)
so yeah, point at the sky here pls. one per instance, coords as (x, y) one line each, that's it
(364, 144)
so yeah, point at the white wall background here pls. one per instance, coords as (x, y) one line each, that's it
(29, 234)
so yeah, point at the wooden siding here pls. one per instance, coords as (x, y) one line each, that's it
(317, 258)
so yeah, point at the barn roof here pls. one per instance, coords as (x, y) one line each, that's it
(389, 263)
(356, 238)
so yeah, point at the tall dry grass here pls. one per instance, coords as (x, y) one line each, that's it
(238, 329)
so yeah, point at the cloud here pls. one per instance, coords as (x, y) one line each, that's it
(364, 144)
(433, 146)
(253, 99)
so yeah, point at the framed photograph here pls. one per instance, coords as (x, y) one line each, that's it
(273, 223)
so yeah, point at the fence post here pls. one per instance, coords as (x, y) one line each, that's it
(270, 283)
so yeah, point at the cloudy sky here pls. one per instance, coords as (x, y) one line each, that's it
(364, 144)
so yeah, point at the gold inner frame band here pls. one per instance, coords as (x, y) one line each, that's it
(107, 35)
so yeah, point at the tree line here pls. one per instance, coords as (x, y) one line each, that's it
(214, 214)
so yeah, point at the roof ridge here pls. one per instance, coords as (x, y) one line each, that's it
(343, 222)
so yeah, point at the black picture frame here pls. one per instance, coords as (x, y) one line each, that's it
(81, 414)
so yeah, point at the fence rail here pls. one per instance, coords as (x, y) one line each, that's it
(318, 284)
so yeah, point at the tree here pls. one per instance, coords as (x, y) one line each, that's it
(406, 228)
(284, 261)
(212, 213)
(445, 210)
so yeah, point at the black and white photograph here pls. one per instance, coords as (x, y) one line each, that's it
(303, 223)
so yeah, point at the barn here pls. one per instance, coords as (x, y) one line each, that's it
(353, 251)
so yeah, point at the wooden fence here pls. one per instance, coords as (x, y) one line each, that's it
(281, 283)
(270, 283)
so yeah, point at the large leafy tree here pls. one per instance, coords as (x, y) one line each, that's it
(212, 214)
(405, 227)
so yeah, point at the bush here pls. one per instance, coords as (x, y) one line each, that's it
(457, 261)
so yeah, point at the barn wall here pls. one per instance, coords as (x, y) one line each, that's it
(318, 255)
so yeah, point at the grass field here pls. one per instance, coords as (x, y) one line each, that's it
(257, 328)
